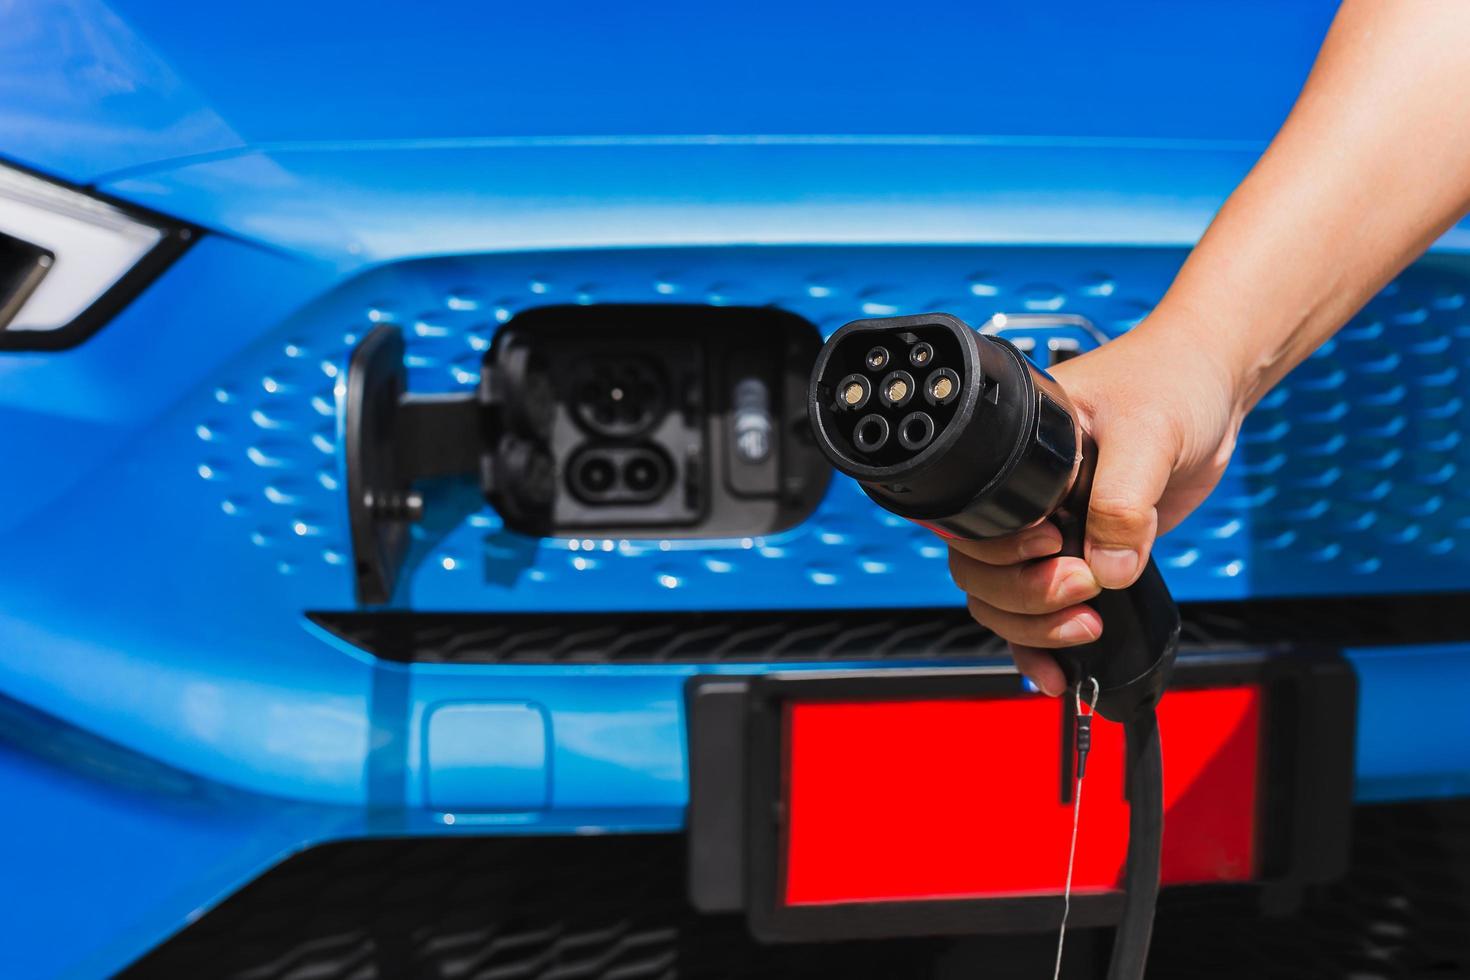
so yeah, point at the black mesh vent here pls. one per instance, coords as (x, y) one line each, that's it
(945, 633)
(829, 635)
(505, 909)
(1346, 621)
(613, 909)
(1402, 912)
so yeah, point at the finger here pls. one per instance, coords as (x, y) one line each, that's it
(1037, 542)
(1039, 587)
(1069, 627)
(1041, 668)
(1122, 520)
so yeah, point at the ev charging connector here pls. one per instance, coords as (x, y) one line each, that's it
(959, 432)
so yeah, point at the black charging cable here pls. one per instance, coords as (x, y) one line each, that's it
(1145, 767)
(959, 432)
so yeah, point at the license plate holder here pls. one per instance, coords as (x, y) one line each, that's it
(834, 805)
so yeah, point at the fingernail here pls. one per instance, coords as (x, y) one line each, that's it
(1079, 585)
(1076, 631)
(1050, 692)
(1113, 567)
(1038, 543)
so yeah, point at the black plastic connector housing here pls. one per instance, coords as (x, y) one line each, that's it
(671, 419)
(1006, 453)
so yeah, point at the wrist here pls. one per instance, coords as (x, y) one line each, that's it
(1219, 344)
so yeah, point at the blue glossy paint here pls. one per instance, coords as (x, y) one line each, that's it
(486, 756)
(106, 852)
(1411, 721)
(92, 87)
(82, 91)
(375, 203)
(172, 494)
(95, 400)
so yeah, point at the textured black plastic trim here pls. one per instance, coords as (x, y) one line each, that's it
(673, 637)
(942, 633)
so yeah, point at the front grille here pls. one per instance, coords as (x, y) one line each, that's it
(613, 909)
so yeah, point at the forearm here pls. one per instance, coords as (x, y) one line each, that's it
(1371, 167)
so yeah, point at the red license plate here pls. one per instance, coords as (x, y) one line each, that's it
(912, 800)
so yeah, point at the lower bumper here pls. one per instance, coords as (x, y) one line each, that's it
(541, 908)
(92, 821)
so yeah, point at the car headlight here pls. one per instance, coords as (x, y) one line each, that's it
(68, 260)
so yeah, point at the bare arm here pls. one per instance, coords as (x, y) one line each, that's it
(1372, 166)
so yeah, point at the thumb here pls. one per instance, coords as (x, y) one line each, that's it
(1122, 519)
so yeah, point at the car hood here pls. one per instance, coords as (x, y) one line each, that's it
(91, 87)
(372, 130)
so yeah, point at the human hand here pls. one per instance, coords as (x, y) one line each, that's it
(1164, 410)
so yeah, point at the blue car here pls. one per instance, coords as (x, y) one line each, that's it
(403, 413)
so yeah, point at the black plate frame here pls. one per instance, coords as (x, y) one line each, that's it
(736, 819)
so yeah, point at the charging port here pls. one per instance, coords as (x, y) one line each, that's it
(619, 396)
(636, 421)
(606, 475)
(669, 419)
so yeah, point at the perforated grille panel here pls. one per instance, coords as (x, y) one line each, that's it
(1344, 482)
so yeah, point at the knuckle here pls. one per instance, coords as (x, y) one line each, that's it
(1049, 633)
(1013, 591)
(1038, 599)
(1043, 631)
(1008, 553)
(980, 613)
(999, 552)
(959, 570)
(1118, 514)
(1016, 628)
(1046, 588)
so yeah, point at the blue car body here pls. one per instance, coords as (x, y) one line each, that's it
(172, 724)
